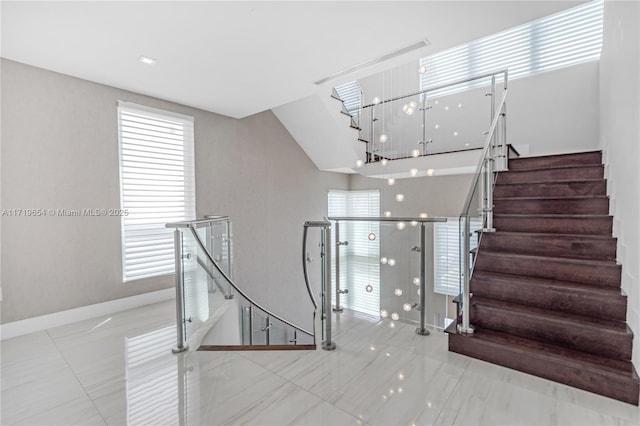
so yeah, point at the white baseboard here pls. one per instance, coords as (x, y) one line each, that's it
(31, 325)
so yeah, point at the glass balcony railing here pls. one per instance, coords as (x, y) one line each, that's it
(427, 122)
(213, 312)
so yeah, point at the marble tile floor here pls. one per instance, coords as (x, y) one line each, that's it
(120, 370)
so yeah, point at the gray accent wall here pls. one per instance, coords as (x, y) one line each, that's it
(60, 151)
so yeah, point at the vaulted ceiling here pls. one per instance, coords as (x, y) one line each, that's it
(240, 58)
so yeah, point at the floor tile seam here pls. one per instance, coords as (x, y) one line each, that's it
(310, 391)
(325, 400)
(454, 391)
(76, 377)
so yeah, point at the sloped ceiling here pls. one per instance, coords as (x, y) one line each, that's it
(239, 58)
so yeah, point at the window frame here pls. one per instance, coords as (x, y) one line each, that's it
(188, 205)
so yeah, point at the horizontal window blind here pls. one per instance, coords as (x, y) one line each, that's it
(351, 95)
(157, 186)
(556, 41)
(446, 254)
(359, 261)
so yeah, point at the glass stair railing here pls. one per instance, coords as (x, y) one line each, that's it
(213, 312)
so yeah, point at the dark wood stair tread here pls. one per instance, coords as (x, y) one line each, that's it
(553, 197)
(541, 234)
(556, 160)
(608, 303)
(558, 354)
(589, 262)
(559, 317)
(600, 290)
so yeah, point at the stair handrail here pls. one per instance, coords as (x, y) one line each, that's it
(192, 227)
(487, 160)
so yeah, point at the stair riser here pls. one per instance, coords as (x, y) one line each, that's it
(552, 298)
(555, 161)
(551, 175)
(552, 206)
(601, 383)
(551, 246)
(551, 189)
(548, 268)
(590, 226)
(590, 339)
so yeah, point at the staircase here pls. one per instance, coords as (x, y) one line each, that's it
(546, 286)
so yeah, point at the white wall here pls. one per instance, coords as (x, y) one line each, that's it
(619, 139)
(60, 150)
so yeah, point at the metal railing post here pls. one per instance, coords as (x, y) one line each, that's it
(466, 273)
(250, 325)
(338, 308)
(180, 320)
(422, 330)
(327, 345)
(488, 182)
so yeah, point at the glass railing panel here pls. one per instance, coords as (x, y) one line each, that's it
(449, 119)
(471, 224)
(209, 314)
(202, 298)
(396, 264)
(458, 121)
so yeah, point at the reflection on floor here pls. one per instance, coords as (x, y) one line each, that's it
(120, 370)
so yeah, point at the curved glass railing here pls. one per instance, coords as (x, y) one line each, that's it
(215, 313)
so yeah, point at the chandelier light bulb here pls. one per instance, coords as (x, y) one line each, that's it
(391, 181)
(413, 172)
(359, 163)
(384, 313)
(398, 292)
(416, 280)
(430, 172)
(414, 223)
(413, 104)
(372, 236)
(376, 100)
(407, 307)
(422, 69)
(369, 288)
(384, 162)
(384, 260)
(384, 138)
(399, 198)
(387, 214)
(437, 126)
(423, 215)
(391, 262)
(400, 226)
(395, 316)
(415, 153)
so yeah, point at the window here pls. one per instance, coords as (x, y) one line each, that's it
(359, 261)
(446, 254)
(566, 38)
(157, 186)
(351, 96)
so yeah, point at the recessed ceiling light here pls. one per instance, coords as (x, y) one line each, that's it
(147, 60)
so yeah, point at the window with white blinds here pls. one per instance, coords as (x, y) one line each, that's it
(351, 95)
(556, 41)
(157, 186)
(446, 254)
(359, 261)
